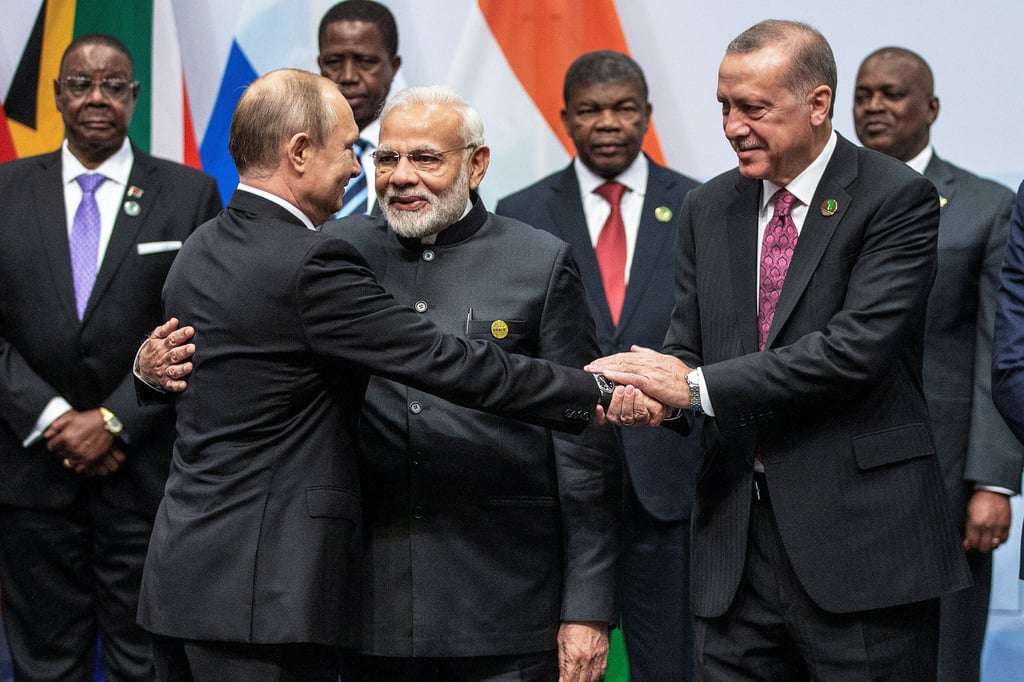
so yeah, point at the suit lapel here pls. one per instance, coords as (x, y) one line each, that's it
(653, 238)
(941, 175)
(817, 231)
(48, 198)
(742, 253)
(125, 235)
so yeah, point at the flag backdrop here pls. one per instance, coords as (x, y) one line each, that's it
(507, 57)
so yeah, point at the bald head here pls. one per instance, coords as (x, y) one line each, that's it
(894, 102)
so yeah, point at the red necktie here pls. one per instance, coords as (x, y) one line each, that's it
(777, 247)
(611, 249)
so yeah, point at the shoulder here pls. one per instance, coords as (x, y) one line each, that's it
(515, 230)
(16, 169)
(982, 190)
(172, 170)
(663, 175)
(531, 194)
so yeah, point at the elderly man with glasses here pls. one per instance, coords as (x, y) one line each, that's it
(485, 553)
(87, 236)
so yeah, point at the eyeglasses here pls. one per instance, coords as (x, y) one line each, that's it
(426, 160)
(113, 88)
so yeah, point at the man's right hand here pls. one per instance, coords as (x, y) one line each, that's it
(163, 359)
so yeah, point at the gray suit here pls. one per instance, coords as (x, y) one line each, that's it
(972, 442)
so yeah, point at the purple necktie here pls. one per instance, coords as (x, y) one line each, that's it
(776, 253)
(85, 240)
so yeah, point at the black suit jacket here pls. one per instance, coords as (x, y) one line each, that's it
(257, 538)
(484, 533)
(661, 463)
(835, 403)
(45, 351)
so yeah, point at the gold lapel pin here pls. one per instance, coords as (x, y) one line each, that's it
(829, 207)
(943, 201)
(663, 214)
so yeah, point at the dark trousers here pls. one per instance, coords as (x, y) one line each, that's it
(773, 631)
(182, 660)
(962, 622)
(68, 576)
(535, 667)
(655, 613)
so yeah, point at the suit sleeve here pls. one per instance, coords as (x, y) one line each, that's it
(881, 270)
(994, 457)
(588, 466)
(1008, 338)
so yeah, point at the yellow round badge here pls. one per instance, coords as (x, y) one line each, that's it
(499, 329)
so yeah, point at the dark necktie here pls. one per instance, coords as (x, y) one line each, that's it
(354, 199)
(85, 240)
(777, 247)
(611, 249)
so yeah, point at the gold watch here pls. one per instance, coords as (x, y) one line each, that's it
(111, 423)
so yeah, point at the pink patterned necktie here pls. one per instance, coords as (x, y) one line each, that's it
(611, 249)
(85, 240)
(777, 247)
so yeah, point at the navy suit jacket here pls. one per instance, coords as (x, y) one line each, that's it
(45, 351)
(661, 463)
(258, 536)
(834, 404)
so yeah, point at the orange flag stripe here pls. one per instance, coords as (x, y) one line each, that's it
(541, 38)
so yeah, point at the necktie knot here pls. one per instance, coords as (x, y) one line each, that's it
(611, 192)
(89, 182)
(783, 201)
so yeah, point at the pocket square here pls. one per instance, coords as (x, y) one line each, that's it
(146, 248)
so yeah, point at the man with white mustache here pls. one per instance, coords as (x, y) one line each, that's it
(490, 546)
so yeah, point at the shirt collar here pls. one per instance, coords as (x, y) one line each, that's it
(286, 205)
(634, 177)
(921, 161)
(804, 185)
(116, 168)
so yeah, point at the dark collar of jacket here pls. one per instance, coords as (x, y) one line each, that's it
(457, 231)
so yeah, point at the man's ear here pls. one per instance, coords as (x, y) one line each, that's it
(820, 100)
(478, 163)
(298, 151)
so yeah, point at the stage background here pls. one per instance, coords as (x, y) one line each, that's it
(507, 58)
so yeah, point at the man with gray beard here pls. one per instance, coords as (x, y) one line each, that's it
(491, 545)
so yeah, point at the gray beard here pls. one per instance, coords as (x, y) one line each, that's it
(445, 209)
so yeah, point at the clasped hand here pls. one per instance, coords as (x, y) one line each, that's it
(652, 385)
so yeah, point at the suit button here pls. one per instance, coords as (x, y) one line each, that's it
(421, 306)
(427, 255)
(585, 416)
(415, 407)
(417, 512)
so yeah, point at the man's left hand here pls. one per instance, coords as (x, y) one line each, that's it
(79, 436)
(660, 376)
(582, 651)
(988, 521)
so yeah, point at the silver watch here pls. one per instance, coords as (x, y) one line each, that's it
(695, 405)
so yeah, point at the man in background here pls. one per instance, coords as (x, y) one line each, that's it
(358, 42)
(626, 256)
(893, 110)
(88, 234)
(486, 555)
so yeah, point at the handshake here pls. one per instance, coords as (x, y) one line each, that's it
(650, 386)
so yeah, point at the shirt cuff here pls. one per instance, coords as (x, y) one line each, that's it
(55, 408)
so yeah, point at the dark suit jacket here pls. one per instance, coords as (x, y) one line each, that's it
(661, 463)
(45, 351)
(972, 440)
(484, 533)
(835, 403)
(257, 538)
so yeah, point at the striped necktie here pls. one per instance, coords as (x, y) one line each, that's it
(357, 192)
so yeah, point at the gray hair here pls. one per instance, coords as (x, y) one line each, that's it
(472, 130)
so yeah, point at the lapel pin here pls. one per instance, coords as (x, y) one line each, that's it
(829, 207)
(499, 329)
(134, 192)
(132, 208)
(663, 214)
(943, 201)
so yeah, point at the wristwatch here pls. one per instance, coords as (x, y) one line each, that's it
(695, 405)
(607, 388)
(111, 423)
